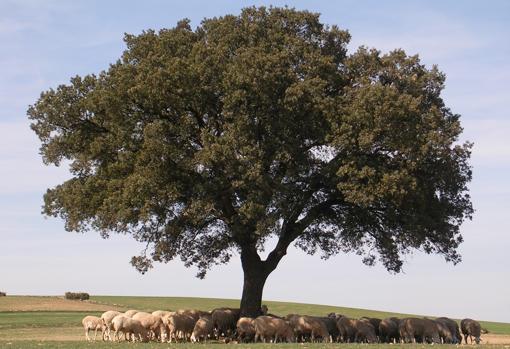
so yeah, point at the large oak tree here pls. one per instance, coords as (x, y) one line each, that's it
(208, 142)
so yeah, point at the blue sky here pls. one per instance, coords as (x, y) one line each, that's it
(44, 43)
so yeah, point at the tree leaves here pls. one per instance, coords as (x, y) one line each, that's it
(201, 143)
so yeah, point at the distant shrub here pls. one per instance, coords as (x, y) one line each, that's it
(3, 294)
(77, 296)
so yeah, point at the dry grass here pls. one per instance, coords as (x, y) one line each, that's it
(44, 334)
(50, 303)
(490, 338)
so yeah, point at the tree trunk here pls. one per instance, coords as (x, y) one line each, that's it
(256, 272)
(255, 275)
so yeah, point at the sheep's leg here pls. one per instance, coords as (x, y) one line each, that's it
(87, 334)
(95, 334)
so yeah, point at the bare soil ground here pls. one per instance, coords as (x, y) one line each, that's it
(490, 338)
(50, 303)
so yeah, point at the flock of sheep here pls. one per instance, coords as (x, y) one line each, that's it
(226, 324)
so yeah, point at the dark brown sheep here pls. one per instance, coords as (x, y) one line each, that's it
(445, 334)
(335, 316)
(374, 322)
(331, 326)
(346, 329)
(419, 331)
(365, 332)
(308, 327)
(245, 329)
(271, 328)
(225, 320)
(388, 330)
(203, 329)
(353, 330)
(453, 327)
(471, 328)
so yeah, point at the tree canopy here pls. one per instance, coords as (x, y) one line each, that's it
(203, 143)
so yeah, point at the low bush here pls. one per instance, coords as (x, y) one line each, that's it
(3, 294)
(77, 296)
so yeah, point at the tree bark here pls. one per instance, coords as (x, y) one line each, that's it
(253, 288)
(255, 276)
(256, 272)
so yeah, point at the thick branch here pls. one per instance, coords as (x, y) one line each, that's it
(293, 230)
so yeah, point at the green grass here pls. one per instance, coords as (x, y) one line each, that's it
(37, 319)
(279, 308)
(496, 327)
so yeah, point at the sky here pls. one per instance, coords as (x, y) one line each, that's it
(45, 43)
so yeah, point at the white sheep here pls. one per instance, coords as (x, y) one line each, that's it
(132, 329)
(130, 313)
(92, 323)
(107, 318)
(152, 323)
(161, 313)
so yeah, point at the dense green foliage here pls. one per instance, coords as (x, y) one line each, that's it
(205, 142)
(82, 296)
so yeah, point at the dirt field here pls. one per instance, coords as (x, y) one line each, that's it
(50, 303)
(495, 339)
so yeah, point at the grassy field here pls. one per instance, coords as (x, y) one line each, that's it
(279, 308)
(51, 322)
